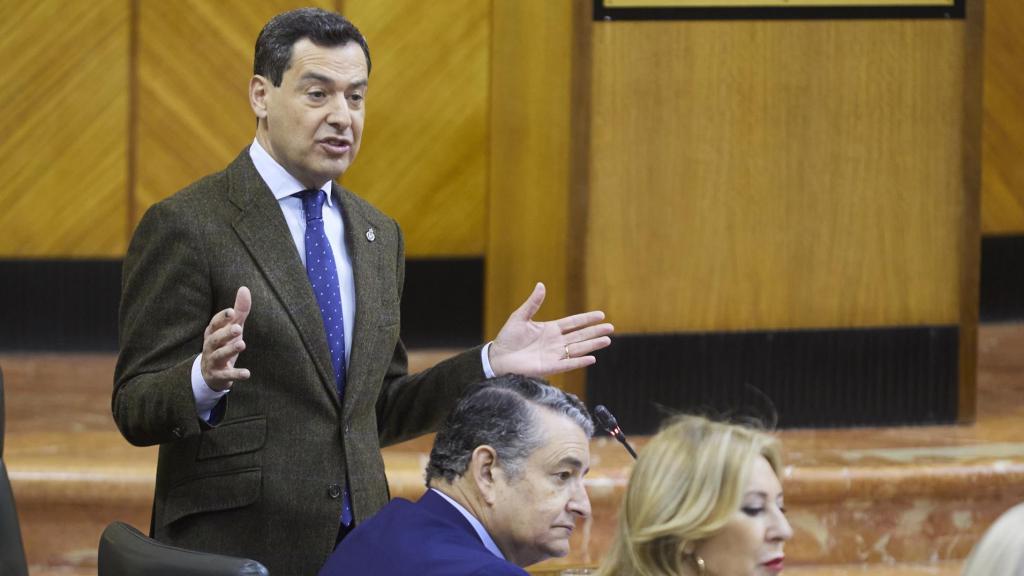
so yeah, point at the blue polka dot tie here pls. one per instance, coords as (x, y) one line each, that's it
(323, 277)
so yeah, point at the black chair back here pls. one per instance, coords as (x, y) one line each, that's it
(124, 551)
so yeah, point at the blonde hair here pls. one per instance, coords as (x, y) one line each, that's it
(687, 483)
(1001, 549)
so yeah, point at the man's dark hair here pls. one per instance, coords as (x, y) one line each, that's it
(327, 29)
(500, 413)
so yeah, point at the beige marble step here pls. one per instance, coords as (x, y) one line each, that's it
(906, 500)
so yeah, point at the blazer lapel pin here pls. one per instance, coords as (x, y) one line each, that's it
(370, 235)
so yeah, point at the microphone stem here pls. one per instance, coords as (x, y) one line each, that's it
(622, 440)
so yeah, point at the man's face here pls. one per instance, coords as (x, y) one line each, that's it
(535, 513)
(313, 122)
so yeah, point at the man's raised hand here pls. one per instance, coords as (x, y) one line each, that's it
(222, 343)
(524, 346)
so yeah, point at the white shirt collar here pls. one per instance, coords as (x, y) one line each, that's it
(480, 530)
(280, 182)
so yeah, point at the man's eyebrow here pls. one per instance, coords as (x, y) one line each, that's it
(571, 461)
(322, 79)
(315, 77)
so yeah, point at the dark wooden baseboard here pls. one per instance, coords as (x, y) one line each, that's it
(795, 378)
(71, 305)
(59, 305)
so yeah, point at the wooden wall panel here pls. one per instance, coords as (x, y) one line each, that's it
(791, 174)
(529, 214)
(193, 68)
(530, 143)
(64, 110)
(425, 147)
(970, 218)
(1002, 198)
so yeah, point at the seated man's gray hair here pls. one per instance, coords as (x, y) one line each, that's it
(500, 413)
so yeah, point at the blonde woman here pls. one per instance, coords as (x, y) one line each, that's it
(1001, 550)
(704, 499)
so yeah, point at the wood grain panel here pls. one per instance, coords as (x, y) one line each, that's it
(193, 68)
(425, 148)
(63, 109)
(530, 168)
(970, 219)
(1002, 198)
(792, 174)
(529, 235)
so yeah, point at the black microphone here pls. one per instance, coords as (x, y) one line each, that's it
(608, 422)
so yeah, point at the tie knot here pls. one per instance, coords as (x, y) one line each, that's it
(313, 203)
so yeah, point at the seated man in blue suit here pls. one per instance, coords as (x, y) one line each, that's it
(505, 488)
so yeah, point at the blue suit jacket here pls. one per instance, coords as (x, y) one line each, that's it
(426, 538)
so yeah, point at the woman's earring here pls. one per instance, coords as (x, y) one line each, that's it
(701, 568)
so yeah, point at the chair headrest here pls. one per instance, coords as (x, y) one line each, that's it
(124, 551)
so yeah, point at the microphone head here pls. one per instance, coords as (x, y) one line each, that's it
(608, 422)
(605, 418)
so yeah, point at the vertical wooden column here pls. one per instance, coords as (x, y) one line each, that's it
(534, 216)
(970, 228)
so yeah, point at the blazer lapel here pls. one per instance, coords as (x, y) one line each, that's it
(262, 228)
(365, 258)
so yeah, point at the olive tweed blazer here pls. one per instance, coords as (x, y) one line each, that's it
(264, 482)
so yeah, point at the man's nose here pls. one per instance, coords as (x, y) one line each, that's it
(579, 503)
(340, 116)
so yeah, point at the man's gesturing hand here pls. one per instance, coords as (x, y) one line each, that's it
(222, 343)
(542, 348)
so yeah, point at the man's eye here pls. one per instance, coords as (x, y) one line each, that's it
(317, 94)
(564, 476)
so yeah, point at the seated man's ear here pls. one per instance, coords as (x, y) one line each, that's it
(482, 466)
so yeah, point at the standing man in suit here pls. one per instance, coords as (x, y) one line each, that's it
(505, 488)
(259, 325)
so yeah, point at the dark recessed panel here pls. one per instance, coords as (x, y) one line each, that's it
(1002, 278)
(59, 305)
(801, 378)
(443, 303)
(71, 305)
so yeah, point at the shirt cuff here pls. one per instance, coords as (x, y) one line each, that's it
(206, 397)
(488, 372)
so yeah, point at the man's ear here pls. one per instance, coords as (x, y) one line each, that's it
(482, 465)
(259, 87)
